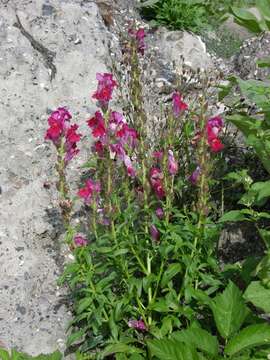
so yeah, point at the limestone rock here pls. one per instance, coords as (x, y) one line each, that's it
(245, 62)
(178, 45)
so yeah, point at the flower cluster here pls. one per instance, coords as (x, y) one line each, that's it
(62, 133)
(90, 191)
(106, 84)
(213, 128)
(178, 105)
(139, 36)
(156, 181)
(114, 134)
(80, 240)
(137, 324)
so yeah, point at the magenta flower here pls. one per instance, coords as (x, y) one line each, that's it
(172, 163)
(98, 147)
(195, 175)
(119, 150)
(158, 155)
(72, 137)
(156, 181)
(106, 84)
(130, 170)
(178, 105)
(80, 241)
(90, 190)
(213, 128)
(139, 36)
(159, 213)
(97, 124)
(127, 135)
(58, 122)
(116, 120)
(155, 234)
(137, 324)
(60, 128)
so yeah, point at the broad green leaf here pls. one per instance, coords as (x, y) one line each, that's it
(251, 336)
(74, 337)
(245, 18)
(258, 295)
(198, 338)
(84, 304)
(121, 252)
(120, 348)
(234, 215)
(171, 350)
(229, 310)
(264, 7)
(172, 271)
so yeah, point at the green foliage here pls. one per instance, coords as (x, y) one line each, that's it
(15, 355)
(248, 20)
(176, 14)
(191, 15)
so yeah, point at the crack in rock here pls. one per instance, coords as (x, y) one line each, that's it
(48, 55)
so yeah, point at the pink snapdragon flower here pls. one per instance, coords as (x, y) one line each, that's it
(137, 324)
(97, 124)
(72, 138)
(194, 177)
(61, 129)
(172, 163)
(178, 105)
(106, 85)
(155, 234)
(115, 121)
(213, 128)
(159, 213)
(58, 122)
(98, 148)
(80, 240)
(127, 135)
(139, 36)
(156, 181)
(129, 166)
(158, 155)
(90, 190)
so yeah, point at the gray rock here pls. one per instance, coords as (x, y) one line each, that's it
(181, 46)
(245, 62)
(33, 317)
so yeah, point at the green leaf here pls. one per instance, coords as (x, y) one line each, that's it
(258, 295)
(251, 336)
(121, 252)
(84, 304)
(4, 355)
(171, 350)
(57, 355)
(199, 338)
(245, 18)
(120, 348)
(173, 269)
(234, 215)
(229, 310)
(262, 63)
(74, 337)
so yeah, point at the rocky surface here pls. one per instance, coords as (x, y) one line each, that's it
(245, 62)
(33, 317)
